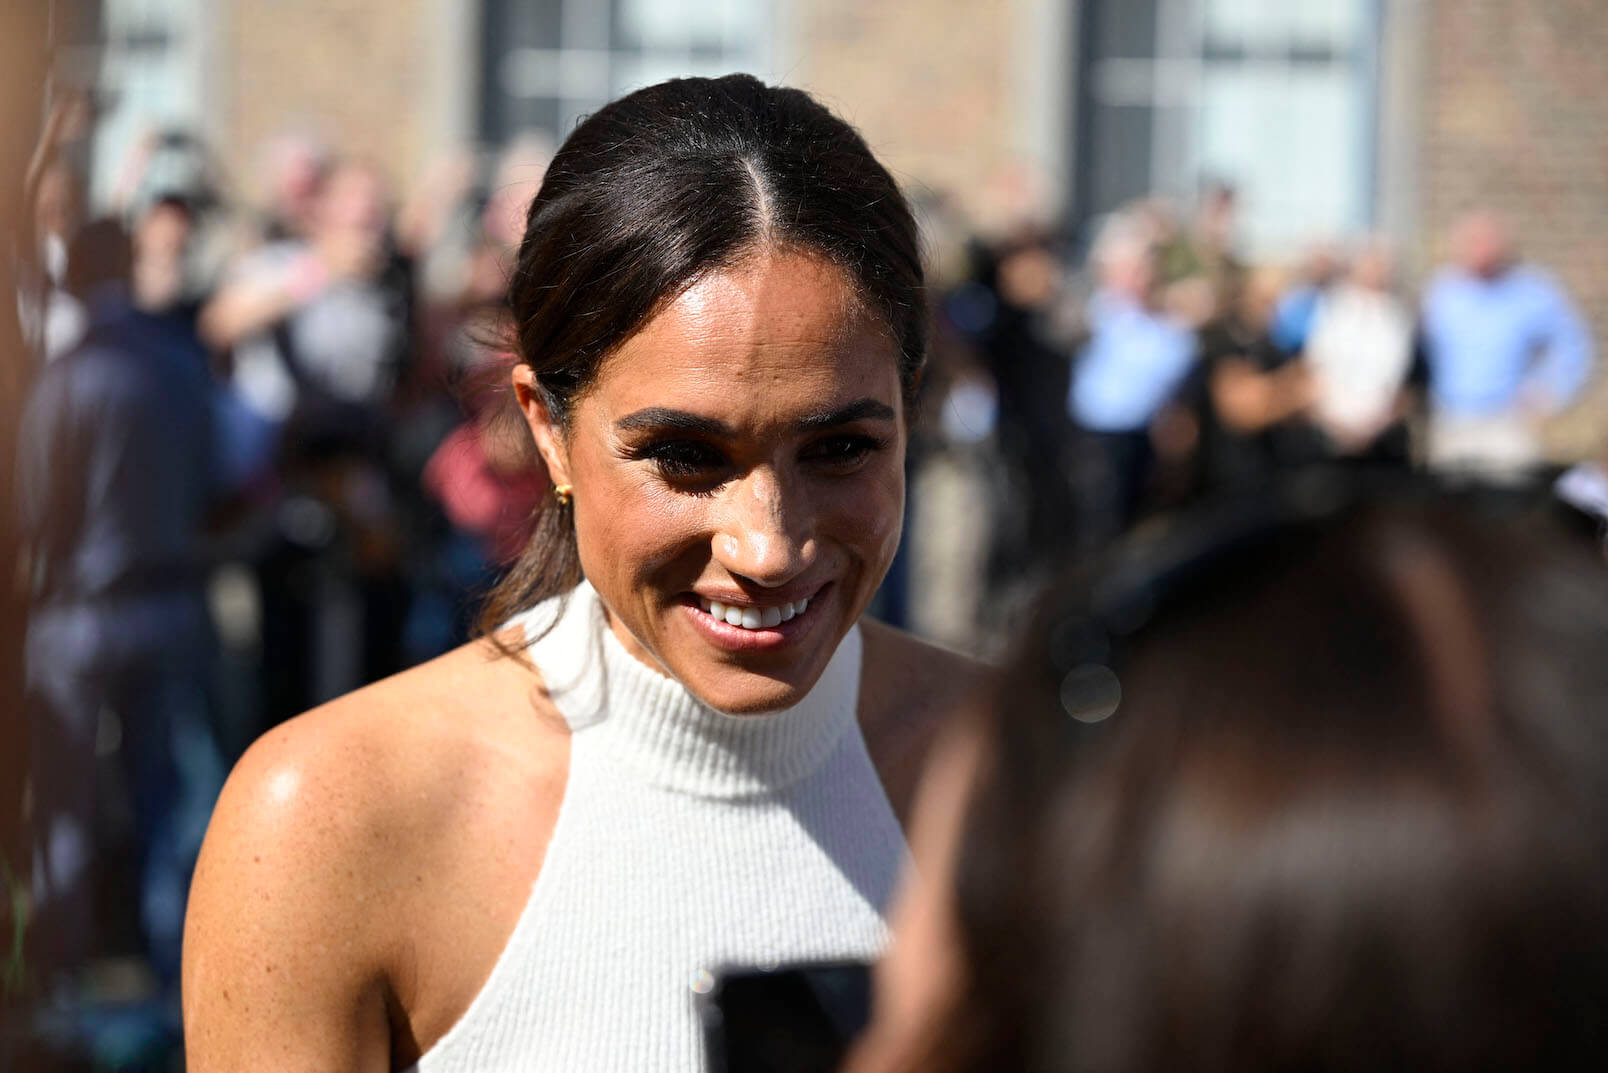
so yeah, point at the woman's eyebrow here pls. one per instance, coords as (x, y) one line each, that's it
(866, 409)
(665, 419)
(662, 418)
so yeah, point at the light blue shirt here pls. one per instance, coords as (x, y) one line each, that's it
(1489, 340)
(1293, 317)
(1131, 367)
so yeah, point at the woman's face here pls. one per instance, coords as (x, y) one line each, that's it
(738, 475)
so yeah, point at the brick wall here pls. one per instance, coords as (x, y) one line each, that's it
(1516, 117)
(929, 82)
(356, 70)
(925, 81)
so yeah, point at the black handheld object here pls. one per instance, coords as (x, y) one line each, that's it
(795, 1019)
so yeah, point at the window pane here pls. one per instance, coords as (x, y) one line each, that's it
(1289, 138)
(687, 24)
(1249, 25)
(1336, 24)
(1121, 156)
(1125, 29)
(634, 72)
(1276, 26)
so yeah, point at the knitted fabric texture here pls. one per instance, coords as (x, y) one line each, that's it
(687, 840)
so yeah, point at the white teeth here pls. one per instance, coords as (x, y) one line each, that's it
(752, 618)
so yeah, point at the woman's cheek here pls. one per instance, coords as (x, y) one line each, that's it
(665, 525)
(627, 525)
(874, 514)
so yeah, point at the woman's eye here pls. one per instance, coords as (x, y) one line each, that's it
(843, 452)
(684, 459)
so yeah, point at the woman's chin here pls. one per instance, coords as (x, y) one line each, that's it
(751, 671)
(742, 692)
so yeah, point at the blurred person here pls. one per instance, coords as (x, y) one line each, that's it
(1156, 219)
(1204, 259)
(955, 460)
(163, 233)
(682, 744)
(55, 182)
(338, 298)
(1217, 220)
(1506, 349)
(1320, 786)
(480, 490)
(115, 487)
(1582, 489)
(58, 213)
(520, 168)
(54, 320)
(1254, 398)
(467, 239)
(295, 163)
(490, 487)
(321, 331)
(1124, 382)
(1359, 353)
(1008, 308)
(1320, 267)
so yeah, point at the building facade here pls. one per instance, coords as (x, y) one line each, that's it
(1332, 118)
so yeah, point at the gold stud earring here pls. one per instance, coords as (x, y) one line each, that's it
(563, 493)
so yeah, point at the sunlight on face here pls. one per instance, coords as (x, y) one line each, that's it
(738, 473)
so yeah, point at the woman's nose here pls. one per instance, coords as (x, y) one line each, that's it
(766, 535)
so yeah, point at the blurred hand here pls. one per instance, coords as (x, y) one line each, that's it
(351, 253)
(1297, 386)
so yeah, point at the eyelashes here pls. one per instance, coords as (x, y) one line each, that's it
(681, 459)
(698, 462)
(845, 450)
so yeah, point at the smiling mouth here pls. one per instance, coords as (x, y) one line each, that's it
(753, 618)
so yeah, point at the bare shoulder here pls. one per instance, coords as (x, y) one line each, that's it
(330, 862)
(395, 757)
(909, 689)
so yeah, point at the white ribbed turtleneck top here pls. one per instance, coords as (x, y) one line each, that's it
(687, 839)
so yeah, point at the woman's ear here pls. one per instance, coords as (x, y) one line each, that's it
(543, 428)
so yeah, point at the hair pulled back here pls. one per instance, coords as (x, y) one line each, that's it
(662, 187)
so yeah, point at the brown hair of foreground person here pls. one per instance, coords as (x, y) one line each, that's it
(1349, 815)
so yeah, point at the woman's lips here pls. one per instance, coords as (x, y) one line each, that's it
(754, 617)
(752, 627)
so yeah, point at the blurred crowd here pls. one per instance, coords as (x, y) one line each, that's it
(263, 462)
(267, 456)
(1079, 388)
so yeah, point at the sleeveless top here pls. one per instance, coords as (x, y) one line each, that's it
(687, 840)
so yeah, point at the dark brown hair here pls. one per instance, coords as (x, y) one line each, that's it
(1349, 814)
(668, 184)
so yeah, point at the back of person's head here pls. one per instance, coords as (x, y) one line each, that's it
(1349, 814)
